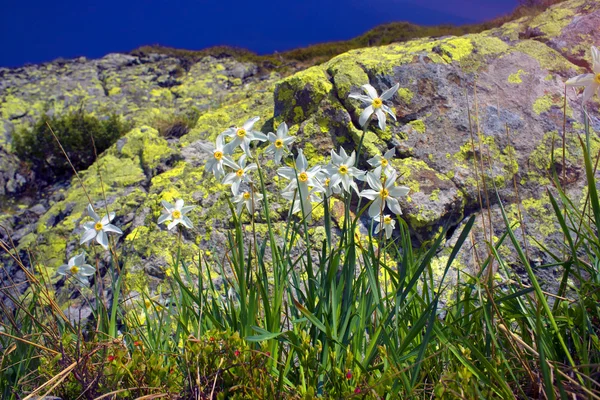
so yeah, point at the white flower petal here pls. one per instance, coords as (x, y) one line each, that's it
(112, 228)
(187, 209)
(390, 153)
(589, 91)
(370, 91)
(375, 208)
(89, 225)
(361, 97)
(364, 116)
(87, 236)
(86, 270)
(102, 239)
(79, 259)
(92, 213)
(580, 80)
(399, 191)
(596, 59)
(258, 136)
(187, 222)
(287, 172)
(380, 118)
(388, 94)
(168, 206)
(301, 163)
(173, 224)
(389, 111)
(235, 187)
(230, 163)
(164, 217)
(394, 205)
(369, 194)
(229, 179)
(250, 123)
(178, 204)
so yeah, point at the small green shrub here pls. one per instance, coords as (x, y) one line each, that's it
(176, 125)
(75, 132)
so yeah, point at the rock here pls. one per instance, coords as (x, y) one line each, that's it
(14, 177)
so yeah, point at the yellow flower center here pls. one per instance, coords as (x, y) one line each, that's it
(303, 177)
(384, 162)
(246, 196)
(241, 132)
(279, 143)
(147, 303)
(327, 181)
(218, 155)
(239, 172)
(74, 269)
(377, 103)
(384, 193)
(98, 226)
(176, 214)
(343, 170)
(387, 220)
(598, 79)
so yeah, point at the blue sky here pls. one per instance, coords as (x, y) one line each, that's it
(36, 31)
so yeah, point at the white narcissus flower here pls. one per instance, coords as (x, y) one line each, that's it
(240, 174)
(246, 198)
(590, 81)
(77, 268)
(99, 228)
(383, 194)
(342, 171)
(303, 197)
(375, 104)
(306, 177)
(279, 143)
(383, 161)
(388, 225)
(176, 214)
(326, 183)
(243, 136)
(218, 157)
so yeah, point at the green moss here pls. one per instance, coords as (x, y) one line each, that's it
(516, 77)
(435, 195)
(543, 104)
(298, 114)
(13, 107)
(554, 20)
(406, 95)
(548, 58)
(145, 143)
(458, 48)
(418, 125)
(114, 91)
(540, 211)
(301, 93)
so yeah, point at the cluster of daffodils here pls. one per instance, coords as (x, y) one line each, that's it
(308, 185)
(97, 229)
(590, 81)
(305, 187)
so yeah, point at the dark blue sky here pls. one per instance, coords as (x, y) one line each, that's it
(36, 31)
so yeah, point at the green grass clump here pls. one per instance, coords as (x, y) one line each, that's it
(176, 124)
(81, 135)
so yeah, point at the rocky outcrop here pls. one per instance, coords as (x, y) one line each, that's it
(478, 116)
